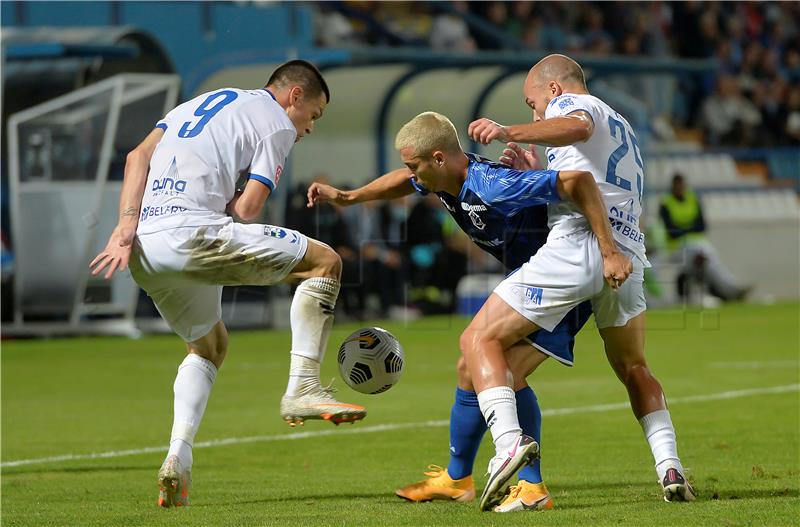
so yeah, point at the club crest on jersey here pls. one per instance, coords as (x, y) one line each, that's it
(275, 232)
(476, 220)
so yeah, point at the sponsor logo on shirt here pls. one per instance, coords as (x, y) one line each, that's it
(164, 210)
(167, 186)
(467, 206)
(563, 103)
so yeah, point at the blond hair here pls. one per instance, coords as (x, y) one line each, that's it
(426, 133)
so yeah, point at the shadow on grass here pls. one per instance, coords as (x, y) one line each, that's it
(72, 470)
(748, 494)
(304, 498)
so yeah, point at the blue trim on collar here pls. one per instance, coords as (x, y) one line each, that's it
(270, 94)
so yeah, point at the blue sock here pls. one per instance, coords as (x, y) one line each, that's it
(530, 420)
(467, 427)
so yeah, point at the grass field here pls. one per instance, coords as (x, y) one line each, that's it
(731, 374)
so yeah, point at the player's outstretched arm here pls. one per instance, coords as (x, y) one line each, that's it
(557, 131)
(392, 185)
(581, 188)
(117, 252)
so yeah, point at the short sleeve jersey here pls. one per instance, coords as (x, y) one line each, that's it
(612, 155)
(209, 143)
(501, 209)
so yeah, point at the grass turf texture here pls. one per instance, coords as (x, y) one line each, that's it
(78, 396)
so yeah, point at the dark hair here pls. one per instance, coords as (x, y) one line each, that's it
(301, 73)
(678, 177)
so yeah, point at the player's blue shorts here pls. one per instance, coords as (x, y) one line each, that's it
(560, 342)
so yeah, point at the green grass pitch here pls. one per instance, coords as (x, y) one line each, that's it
(732, 376)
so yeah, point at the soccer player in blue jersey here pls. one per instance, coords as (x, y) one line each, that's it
(502, 211)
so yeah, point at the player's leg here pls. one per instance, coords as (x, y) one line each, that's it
(620, 318)
(467, 427)
(494, 330)
(556, 279)
(311, 318)
(192, 388)
(193, 311)
(530, 493)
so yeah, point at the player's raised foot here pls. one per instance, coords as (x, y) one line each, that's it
(676, 488)
(319, 403)
(439, 486)
(174, 483)
(501, 467)
(526, 496)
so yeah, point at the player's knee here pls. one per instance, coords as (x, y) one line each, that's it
(466, 343)
(329, 264)
(464, 378)
(633, 372)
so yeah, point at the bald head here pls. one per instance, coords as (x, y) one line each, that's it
(561, 69)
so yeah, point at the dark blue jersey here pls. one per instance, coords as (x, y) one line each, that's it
(502, 210)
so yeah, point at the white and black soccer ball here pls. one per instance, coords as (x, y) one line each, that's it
(371, 360)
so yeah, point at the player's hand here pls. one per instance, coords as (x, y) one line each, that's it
(519, 158)
(616, 269)
(321, 193)
(485, 131)
(117, 253)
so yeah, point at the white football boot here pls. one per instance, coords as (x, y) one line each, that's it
(502, 466)
(319, 403)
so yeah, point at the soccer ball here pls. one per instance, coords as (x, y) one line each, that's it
(371, 360)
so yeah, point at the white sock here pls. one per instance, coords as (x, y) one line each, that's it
(192, 387)
(303, 375)
(311, 317)
(660, 435)
(499, 408)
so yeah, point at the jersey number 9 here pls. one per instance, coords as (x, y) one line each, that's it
(207, 109)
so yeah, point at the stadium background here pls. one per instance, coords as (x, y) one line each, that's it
(83, 82)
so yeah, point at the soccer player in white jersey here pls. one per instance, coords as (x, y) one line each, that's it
(584, 133)
(183, 246)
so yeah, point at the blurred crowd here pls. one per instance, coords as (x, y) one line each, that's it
(752, 100)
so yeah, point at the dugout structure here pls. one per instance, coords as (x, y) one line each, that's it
(66, 163)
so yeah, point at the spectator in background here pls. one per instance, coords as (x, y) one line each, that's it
(683, 220)
(380, 261)
(450, 32)
(328, 226)
(728, 118)
(792, 123)
(436, 262)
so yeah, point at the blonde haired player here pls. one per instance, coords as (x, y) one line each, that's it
(183, 247)
(585, 133)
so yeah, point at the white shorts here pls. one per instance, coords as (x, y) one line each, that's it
(565, 272)
(183, 269)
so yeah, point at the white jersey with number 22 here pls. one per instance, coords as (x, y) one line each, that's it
(612, 155)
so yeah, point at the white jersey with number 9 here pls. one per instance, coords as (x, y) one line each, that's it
(210, 142)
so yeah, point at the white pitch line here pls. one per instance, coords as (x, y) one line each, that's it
(733, 394)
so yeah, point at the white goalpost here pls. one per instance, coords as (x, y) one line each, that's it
(65, 174)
